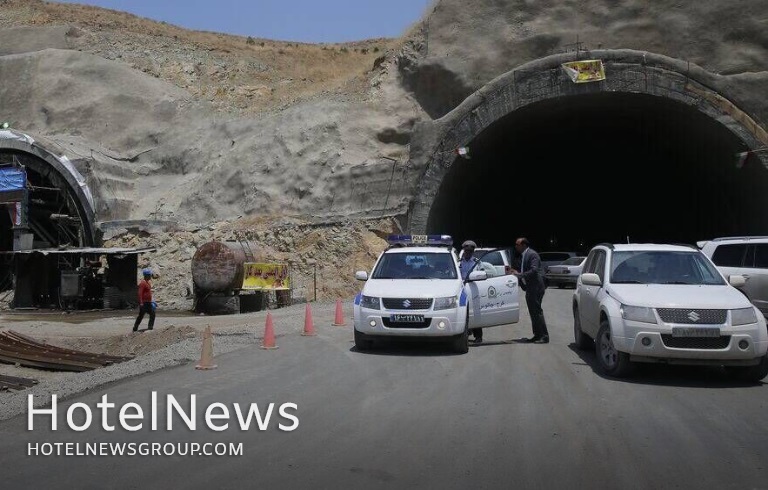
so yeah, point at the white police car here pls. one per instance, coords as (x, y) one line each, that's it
(415, 290)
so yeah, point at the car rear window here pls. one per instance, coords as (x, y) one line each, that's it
(554, 256)
(729, 255)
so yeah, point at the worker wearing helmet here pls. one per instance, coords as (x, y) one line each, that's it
(146, 305)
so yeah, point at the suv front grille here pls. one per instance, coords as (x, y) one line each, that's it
(389, 324)
(407, 303)
(692, 316)
(696, 342)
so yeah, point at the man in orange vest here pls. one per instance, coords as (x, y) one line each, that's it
(146, 305)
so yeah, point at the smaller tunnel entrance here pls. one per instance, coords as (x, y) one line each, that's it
(44, 204)
(54, 216)
(557, 171)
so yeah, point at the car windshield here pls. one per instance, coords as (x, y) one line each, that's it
(663, 267)
(574, 261)
(417, 265)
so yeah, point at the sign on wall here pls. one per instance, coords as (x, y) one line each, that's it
(13, 183)
(585, 71)
(266, 276)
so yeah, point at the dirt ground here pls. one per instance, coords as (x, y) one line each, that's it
(109, 332)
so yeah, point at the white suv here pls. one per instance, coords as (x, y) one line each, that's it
(415, 290)
(666, 303)
(745, 256)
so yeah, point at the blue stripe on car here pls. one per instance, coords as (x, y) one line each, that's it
(358, 298)
(463, 298)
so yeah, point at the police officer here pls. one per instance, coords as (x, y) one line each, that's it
(466, 265)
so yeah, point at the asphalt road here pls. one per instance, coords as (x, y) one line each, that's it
(506, 415)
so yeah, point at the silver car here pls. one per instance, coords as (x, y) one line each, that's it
(744, 256)
(549, 259)
(566, 273)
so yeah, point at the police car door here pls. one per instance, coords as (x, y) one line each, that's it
(493, 302)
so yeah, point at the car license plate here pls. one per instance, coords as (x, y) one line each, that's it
(406, 318)
(695, 332)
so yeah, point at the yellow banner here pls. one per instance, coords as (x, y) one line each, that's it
(585, 71)
(266, 276)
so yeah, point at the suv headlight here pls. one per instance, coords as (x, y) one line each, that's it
(743, 316)
(446, 303)
(638, 314)
(370, 302)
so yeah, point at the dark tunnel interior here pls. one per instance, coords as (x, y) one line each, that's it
(6, 229)
(575, 171)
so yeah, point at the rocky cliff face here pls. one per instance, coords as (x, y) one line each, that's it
(197, 127)
(462, 44)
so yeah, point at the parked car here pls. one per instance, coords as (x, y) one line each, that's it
(666, 303)
(415, 290)
(566, 273)
(746, 256)
(549, 259)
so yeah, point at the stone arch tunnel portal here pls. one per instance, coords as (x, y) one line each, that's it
(572, 171)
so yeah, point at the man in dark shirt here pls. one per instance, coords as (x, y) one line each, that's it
(146, 305)
(532, 281)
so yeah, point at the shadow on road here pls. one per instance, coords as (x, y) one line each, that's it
(408, 348)
(489, 343)
(670, 374)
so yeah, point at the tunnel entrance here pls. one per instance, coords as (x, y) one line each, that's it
(57, 207)
(557, 170)
(50, 207)
(655, 141)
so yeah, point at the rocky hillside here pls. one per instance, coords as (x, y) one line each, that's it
(238, 75)
(198, 128)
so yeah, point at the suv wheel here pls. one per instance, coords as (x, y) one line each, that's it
(460, 343)
(362, 343)
(582, 340)
(750, 373)
(612, 362)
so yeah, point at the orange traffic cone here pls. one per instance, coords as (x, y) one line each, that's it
(339, 320)
(309, 325)
(269, 334)
(206, 356)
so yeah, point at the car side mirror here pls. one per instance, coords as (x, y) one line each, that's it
(591, 279)
(737, 280)
(361, 276)
(477, 276)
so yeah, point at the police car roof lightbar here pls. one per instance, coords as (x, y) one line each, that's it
(420, 240)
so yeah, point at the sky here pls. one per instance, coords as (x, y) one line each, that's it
(313, 21)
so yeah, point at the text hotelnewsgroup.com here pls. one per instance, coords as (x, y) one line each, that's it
(133, 449)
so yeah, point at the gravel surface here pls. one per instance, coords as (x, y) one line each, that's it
(230, 333)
